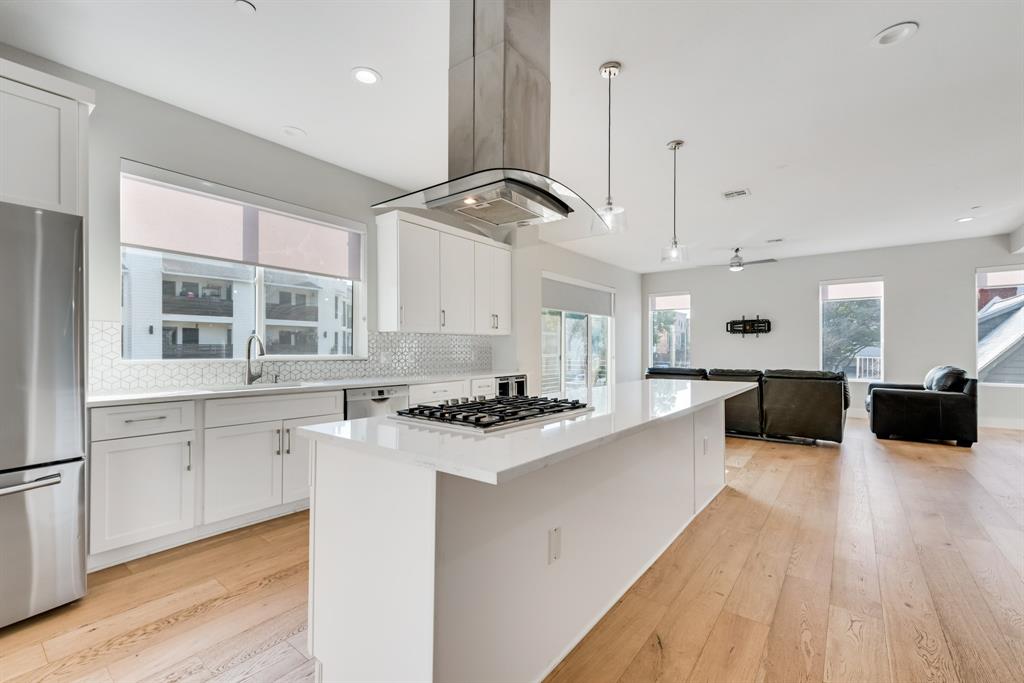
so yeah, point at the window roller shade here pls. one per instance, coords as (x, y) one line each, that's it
(167, 218)
(306, 247)
(569, 297)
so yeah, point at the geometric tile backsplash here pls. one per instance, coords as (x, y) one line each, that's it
(391, 354)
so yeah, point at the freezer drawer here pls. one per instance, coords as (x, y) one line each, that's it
(42, 536)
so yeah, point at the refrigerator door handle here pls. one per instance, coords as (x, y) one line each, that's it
(49, 480)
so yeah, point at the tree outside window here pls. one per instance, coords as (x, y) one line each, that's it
(851, 328)
(670, 330)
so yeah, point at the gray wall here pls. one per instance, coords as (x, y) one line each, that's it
(130, 125)
(929, 312)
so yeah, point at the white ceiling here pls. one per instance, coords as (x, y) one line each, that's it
(843, 145)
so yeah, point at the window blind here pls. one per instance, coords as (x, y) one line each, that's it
(166, 217)
(576, 298)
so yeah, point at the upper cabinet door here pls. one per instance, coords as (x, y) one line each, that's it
(38, 148)
(501, 294)
(483, 266)
(419, 305)
(457, 299)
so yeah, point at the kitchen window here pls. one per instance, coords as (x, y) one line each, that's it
(1000, 325)
(577, 341)
(205, 266)
(669, 329)
(851, 326)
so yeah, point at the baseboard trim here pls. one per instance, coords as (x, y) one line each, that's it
(128, 553)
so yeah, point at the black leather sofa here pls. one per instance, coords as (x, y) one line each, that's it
(743, 413)
(807, 404)
(944, 408)
(787, 404)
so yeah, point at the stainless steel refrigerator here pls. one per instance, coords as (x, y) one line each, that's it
(42, 439)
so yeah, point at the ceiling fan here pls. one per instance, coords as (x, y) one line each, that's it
(736, 263)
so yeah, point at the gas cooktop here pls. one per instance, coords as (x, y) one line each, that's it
(483, 416)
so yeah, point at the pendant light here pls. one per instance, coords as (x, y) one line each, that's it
(612, 218)
(674, 252)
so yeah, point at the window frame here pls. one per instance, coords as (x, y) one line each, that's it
(360, 317)
(977, 370)
(651, 296)
(881, 325)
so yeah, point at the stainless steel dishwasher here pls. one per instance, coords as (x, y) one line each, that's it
(374, 401)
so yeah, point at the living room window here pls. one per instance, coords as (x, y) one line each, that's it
(669, 329)
(851, 333)
(1000, 325)
(204, 266)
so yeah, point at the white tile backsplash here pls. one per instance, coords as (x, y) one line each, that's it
(390, 355)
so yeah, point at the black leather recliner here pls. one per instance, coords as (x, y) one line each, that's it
(944, 408)
(808, 404)
(676, 373)
(742, 412)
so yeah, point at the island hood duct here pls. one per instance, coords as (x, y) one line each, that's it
(499, 123)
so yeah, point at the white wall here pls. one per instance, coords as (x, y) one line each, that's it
(130, 125)
(532, 257)
(929, 313)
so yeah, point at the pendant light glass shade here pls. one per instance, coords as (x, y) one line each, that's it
(610, 219)
(674, 252)
(612, 216)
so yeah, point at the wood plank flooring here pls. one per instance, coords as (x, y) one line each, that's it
(877, 561)
(227, 608)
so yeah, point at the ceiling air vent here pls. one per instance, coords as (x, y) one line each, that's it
(735, 194)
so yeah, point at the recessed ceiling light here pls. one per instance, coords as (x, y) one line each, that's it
(896, 33)
(245, 7)
(366, 75)
(965, 219)
(469, 200)
(293, 132)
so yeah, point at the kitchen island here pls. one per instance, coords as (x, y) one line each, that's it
(444, 555)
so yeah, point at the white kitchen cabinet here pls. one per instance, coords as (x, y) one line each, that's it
(39, 148)
(241, 469)
(141, 488)
(708, 454)
(433, 277)
(456, 290)
(408, 293)
(295, 460)
(438, 391)
(493, 289)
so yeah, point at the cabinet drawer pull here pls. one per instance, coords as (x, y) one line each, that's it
(278, 432)
(145, 419)
(188, 468)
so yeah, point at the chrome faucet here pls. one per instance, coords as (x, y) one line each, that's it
(251, 376)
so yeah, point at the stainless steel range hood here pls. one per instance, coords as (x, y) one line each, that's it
(499, 111)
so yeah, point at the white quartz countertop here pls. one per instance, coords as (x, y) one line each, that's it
(260, 389)
(497, 457)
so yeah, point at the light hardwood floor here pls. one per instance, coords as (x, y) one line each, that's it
(871, 561)
(874, 561)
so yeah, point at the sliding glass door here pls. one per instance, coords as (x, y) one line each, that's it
(576, 353)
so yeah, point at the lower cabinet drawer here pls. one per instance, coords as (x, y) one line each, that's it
(221, 412)
(140, 488)
(430, 393)
(117, 422)
(483, 387)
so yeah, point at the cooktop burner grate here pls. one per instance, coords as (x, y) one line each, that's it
(492, 414)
